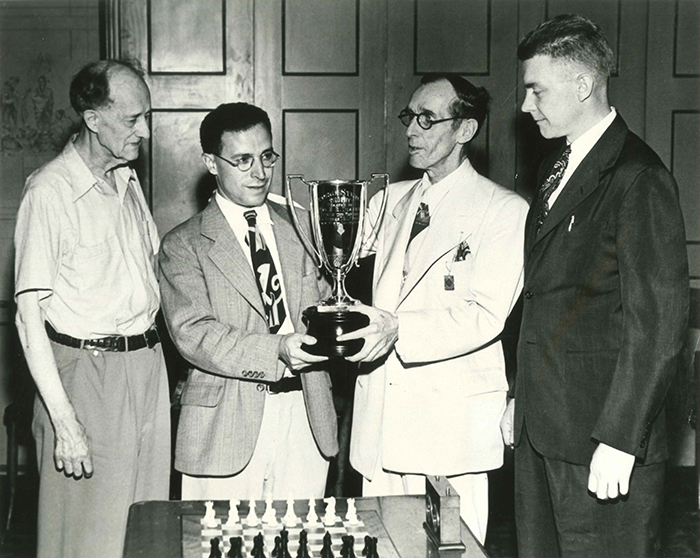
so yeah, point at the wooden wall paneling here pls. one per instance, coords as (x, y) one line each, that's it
(686, 54)
(320, 37)
(441, 43)
(188, 37)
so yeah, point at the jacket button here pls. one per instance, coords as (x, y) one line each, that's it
(260, 387)
(528, 294)
(643, 444)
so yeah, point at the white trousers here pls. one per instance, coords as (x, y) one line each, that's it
(473, 489)
(286, 462)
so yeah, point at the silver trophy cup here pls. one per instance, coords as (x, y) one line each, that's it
(338, 209)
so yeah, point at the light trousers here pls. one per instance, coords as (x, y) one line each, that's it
(286, 462)
(122, 400)
(473, 489)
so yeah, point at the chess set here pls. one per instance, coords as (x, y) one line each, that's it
(291, 529)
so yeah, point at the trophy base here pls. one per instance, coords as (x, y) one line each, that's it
(326, 326)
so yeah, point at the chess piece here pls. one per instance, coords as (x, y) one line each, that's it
(209, 519)
(303, 549)
(348, 550)
(351, 514)
(258, 546)
(312, 518)
(269, 517)
(236, 544)
(370, 549)
(233, 517)
(290, 520)
(252, 519)
(215, 551)
(277, 550)
(284, 544)
(330, 518)
(327, 549)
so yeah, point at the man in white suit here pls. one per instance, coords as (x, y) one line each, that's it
(448, 270)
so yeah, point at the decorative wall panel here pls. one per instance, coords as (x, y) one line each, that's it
(188, 37)
(320, 37)
(320, 145)
(686, 60)
(452, 36)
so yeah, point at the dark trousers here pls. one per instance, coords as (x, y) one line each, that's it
(557, 516)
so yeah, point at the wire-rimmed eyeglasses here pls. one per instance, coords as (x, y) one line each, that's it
(245, 162)
(425, 121)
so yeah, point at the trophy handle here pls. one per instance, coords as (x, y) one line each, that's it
(382, 208)
(292, 209)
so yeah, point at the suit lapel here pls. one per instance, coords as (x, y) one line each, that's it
(458, 215)
(291, 256)
(389, 270)
(586, 177)
(227, 255)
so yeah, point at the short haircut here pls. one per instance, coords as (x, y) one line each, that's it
(571, 38)
(230, 117)
(471, 102)
(89, 89)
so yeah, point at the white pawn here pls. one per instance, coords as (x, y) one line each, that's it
(290, 520)
(269, 516)
(330, 518)
(232, 514)
(209, 519)
(252, 519)
(351, 515)
(312, 518)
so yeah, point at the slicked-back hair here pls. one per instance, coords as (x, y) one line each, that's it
(471, 102)
(230, 117)
(89, 89)
(571, 38)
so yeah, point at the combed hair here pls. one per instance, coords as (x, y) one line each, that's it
(230, 117)
(89, 89)
(572, 38)
(471, 102)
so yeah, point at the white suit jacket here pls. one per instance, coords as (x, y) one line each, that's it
(419, 409)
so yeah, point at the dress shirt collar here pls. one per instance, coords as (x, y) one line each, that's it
(433, 194)
(584, 143)
(234, 213)
(82, 179)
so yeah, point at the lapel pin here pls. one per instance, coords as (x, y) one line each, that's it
(449, 282)
(571, 223)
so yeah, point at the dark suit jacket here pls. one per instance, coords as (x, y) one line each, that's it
(605, 306)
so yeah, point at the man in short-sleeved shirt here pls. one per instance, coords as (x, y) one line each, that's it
(87, 297)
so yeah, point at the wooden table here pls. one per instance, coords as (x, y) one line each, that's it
(154, 529)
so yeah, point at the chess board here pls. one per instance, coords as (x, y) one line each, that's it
(196, 539)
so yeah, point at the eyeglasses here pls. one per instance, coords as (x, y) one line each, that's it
(245, 162)
(425, 121)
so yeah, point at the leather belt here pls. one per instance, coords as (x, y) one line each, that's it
(117, 343)
(285, 385)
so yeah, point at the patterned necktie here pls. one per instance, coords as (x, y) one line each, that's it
(550, 185)
(420, 222)
(266, 276)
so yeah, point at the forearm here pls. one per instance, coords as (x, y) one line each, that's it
(41, 361)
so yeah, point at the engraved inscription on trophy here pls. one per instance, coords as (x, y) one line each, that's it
(338, 209)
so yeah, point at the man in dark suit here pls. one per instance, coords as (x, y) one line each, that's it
(605, 309)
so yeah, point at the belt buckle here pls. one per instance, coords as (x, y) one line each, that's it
(152, 338)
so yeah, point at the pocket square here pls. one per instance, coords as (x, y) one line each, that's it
(463, 251)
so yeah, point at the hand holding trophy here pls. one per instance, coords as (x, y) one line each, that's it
(338, 209)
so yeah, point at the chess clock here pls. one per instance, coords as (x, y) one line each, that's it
(442, 521)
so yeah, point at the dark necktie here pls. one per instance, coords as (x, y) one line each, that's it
(266, 276)
(421, 221)
(550, 185)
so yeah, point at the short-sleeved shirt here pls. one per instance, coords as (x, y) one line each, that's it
(88, 250)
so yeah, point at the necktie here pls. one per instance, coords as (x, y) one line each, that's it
(550, 185)
(269, 282)
(420, 222)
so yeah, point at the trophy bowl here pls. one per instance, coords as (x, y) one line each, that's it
(338, 209)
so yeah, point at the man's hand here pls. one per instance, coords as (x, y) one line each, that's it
(380, 335)
(293, 355)
(610, 472)
(507, 424)
(72, 453)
